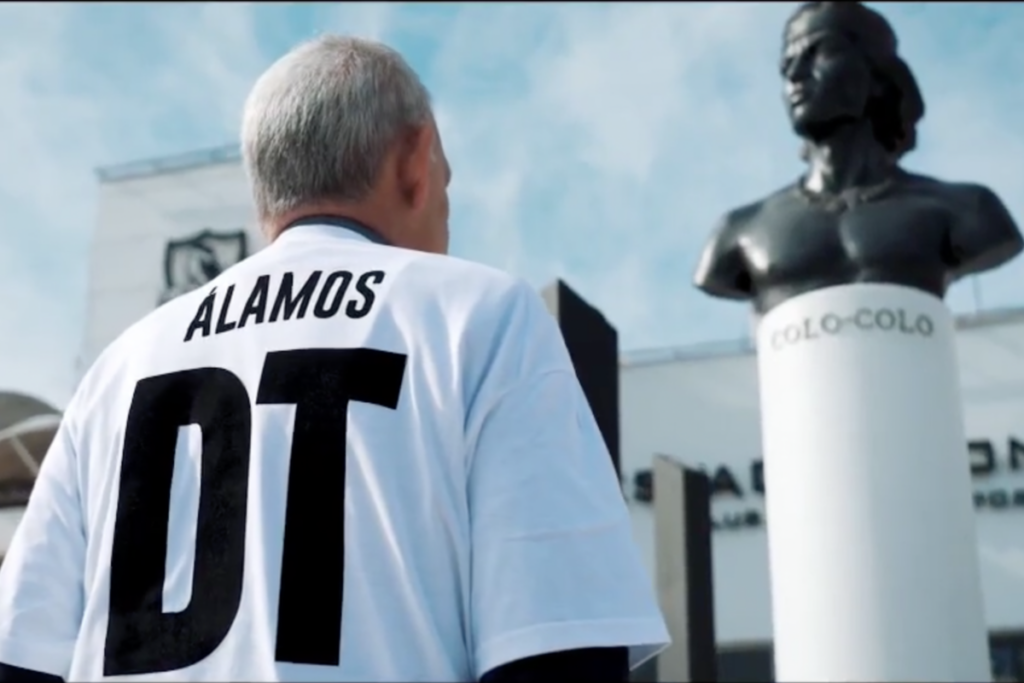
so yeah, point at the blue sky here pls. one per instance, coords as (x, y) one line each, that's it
(593, 142)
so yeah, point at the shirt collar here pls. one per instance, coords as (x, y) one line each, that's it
(331, 226)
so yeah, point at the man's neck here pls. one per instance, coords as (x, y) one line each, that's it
(848, 157)
(361, 214)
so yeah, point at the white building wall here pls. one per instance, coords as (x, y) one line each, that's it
(704, 413)
(139, 212)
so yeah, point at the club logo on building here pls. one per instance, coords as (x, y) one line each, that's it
(192, 262)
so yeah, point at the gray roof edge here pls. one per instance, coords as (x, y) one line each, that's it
(170, 164)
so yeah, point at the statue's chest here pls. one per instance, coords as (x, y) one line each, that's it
(793, 240)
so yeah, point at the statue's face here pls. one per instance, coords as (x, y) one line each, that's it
(827, 79)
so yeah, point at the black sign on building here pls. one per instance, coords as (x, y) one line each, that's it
(191, 262)
(593, 345)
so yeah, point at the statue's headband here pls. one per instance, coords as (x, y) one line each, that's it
(871, 33)
(864, 27)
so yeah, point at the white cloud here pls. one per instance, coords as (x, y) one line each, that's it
(636, 126)
(37, 194)
(596, 142)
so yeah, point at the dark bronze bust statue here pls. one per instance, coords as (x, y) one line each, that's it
(856, 216)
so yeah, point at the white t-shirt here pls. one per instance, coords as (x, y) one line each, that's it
(337, 461)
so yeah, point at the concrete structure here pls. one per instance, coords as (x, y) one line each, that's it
(683, 574)
(859, 393)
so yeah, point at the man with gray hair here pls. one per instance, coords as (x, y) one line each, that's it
(347, 458)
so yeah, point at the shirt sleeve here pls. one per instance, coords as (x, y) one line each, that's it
(41, 579)
(554, 564)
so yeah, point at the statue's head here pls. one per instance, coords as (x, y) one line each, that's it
(840, 64)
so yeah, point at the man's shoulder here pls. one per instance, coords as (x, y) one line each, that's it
(482, 305)
(142, 338)
(409, 270)
(444, 268)
(453, 281)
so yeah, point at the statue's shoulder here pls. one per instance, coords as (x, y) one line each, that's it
(983, 234)
(735, 220)
(743, 218)
(957, 194)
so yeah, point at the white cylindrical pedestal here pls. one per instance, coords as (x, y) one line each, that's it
(874, 561)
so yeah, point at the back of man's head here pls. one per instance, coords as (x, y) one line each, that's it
(322, 124)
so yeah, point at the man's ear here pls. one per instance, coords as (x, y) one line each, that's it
(416, 157)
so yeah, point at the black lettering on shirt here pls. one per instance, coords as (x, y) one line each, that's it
(324, 310)
(256, 304)
(289, 305)
(331, 294)
(364, 286)
(201, 320)
(222, 324)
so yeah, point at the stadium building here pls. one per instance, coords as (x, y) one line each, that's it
(169, 225)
